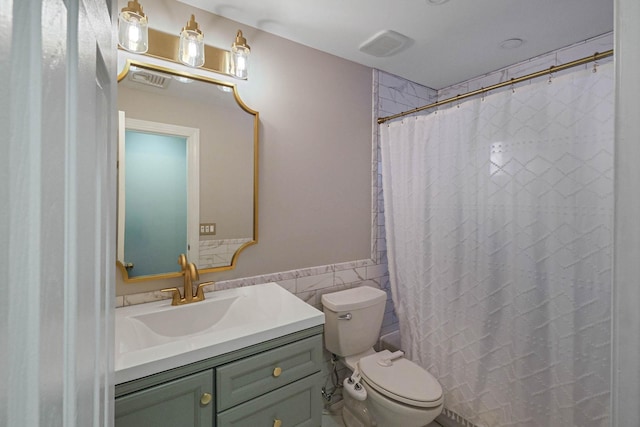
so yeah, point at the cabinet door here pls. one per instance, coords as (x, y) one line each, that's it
(295, 405)
(173, 404)
(253, 376)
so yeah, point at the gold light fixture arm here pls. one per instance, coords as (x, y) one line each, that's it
(134, 7)
(192, 25)
(241, 41)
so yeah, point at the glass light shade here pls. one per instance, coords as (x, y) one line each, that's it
(191, 51)
(133, 29)
(240, 57)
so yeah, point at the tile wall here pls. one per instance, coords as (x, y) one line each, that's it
(217, 253)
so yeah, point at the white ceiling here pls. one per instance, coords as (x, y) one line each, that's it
(450, 43)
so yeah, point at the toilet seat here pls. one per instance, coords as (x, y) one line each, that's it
(401, 380)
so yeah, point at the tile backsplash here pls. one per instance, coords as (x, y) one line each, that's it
(218, 252)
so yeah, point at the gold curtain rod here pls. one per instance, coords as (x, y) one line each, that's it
(554, 68)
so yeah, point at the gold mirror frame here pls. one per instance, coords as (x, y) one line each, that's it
(153, 67)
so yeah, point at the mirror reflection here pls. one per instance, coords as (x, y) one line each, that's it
(187, 175)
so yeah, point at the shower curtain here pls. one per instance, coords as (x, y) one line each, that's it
(498, 216)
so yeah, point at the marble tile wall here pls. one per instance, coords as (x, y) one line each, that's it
(219, 252)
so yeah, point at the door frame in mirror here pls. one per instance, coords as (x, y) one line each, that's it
(192, 136)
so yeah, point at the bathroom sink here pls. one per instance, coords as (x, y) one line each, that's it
(187, 320)
(157, 336)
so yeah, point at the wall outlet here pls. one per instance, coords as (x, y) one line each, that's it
(208, 229)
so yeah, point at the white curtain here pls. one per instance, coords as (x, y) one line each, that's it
(57, 212)
(499, 221)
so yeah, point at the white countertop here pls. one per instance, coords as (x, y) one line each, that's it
(226, 321)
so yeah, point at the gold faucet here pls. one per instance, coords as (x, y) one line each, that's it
(189, 274)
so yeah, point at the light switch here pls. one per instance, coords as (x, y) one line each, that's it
(207, 229)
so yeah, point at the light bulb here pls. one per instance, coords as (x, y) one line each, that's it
(240, 51)
(191, 50)
(133, 29)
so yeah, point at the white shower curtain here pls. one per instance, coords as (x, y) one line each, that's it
(499, 221)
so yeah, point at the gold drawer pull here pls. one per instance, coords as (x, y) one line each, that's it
(205, 399)
(276, 373)
(277, 423)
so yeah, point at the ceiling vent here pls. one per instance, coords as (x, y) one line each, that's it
(149, 78)
(385, 43)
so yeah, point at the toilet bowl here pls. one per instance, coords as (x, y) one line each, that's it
(398, 392)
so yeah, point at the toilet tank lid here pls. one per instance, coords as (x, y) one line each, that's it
(353, 299)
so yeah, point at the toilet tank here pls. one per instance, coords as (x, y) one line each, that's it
(353, 319)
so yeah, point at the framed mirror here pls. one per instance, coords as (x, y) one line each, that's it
(187, 172)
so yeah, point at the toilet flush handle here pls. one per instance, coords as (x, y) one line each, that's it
(344, 316)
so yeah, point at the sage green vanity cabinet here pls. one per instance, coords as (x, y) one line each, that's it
(274, 383)
(185, 402)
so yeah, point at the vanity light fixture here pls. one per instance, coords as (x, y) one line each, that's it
(191, 51)
(134, 35)
(240, 51)
(133, 31)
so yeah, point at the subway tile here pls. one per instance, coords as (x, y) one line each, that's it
(368, 282)
(366, 263)
(376, 271)
(289, 284)
(228, 284)
(311, 283)
(278, 277)
(349, 276)
(144, 297)
(345, 266)
(308, 297)
(314, 271)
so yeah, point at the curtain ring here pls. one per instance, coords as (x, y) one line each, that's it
(513, 88)
(595, 62)
(550, 75)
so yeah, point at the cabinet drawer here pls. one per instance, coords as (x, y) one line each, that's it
(256, 375)
(295, 405)
(176, 403)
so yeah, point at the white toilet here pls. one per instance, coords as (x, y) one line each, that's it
(398, 392)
